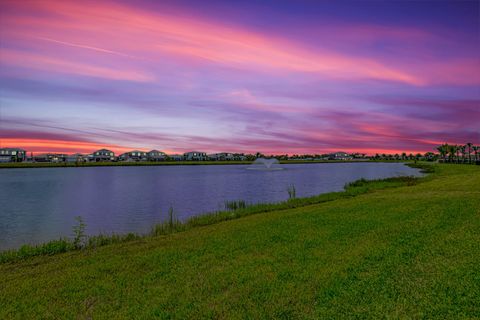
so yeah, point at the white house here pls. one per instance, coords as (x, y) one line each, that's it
(223, 156)
(12, 155)
(134, 155)
(195, 156)
(339, 156)
(156, 155)
(103, 155)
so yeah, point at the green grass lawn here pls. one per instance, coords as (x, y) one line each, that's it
(405, 252)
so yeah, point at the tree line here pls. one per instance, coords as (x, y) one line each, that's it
(455, 153)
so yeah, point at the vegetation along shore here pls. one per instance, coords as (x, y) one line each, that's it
(10, 165)
(399, 247)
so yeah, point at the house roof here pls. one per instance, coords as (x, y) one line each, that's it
(12, 149)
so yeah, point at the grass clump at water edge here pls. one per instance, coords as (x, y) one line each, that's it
(79, 241)
(235, 204)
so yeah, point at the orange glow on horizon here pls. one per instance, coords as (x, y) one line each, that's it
(70, 147)
(59, 146)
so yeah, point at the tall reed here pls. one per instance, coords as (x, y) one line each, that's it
(292, 192)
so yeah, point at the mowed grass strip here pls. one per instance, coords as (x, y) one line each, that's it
(407, 252)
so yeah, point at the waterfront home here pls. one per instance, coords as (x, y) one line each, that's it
(195, 156)
(156, 155)
(134, 155)
(103, 155)
(56, 157)
(49, 157)
(339, 156)
(239, 157)
(223, 156)
(12, 155)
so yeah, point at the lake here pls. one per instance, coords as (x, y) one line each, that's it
(38, 205)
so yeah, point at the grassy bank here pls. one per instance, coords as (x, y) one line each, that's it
(404, 249)
(11, 165)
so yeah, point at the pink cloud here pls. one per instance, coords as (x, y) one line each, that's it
(155, 37)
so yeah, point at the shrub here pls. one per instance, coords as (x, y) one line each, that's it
(235, 204)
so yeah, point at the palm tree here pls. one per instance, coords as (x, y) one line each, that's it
(457, 148)
(429, 156)
(469, 148)
(443, 150)
(452, 149)
(464, 152)
(475, 149)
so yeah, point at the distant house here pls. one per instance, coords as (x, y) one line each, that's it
(134, 155)
(239, 157)
(339, 156)
(12, 155)
(40, 158)
(176, 157)
(223, 156)
(156, 155)
(56, 157)
(103, 155)
(195, 156)
(49, 157)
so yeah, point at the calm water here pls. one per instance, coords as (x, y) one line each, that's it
(37, 205)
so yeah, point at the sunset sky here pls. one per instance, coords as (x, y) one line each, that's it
(240, 76)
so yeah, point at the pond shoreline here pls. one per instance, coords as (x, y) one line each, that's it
(16, 165)
(173, 225)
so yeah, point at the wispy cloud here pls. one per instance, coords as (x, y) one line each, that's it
(76, 45)
(58, 65)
